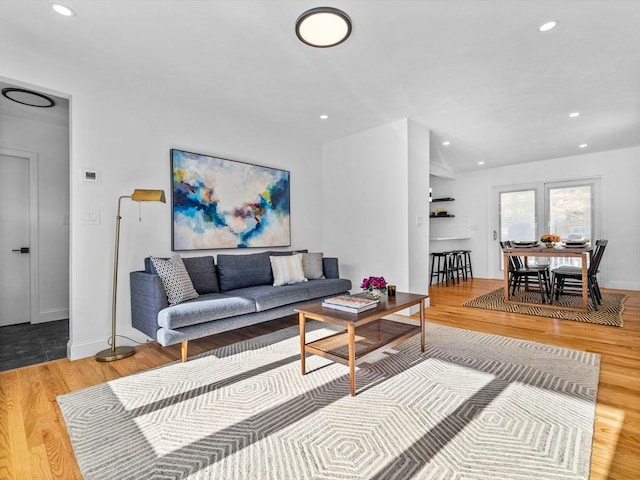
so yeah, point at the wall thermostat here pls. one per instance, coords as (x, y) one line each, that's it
(89, 175)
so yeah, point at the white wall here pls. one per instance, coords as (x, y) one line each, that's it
(50, 141)
(370, 206)
(619, 171)
(125, 132)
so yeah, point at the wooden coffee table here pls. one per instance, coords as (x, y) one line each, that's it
(373, 332)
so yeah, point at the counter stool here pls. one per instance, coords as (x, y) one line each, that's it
(465, 260)
(439, 267)
(456, 266)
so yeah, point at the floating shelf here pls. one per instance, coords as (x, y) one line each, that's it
(444, 199)
(448, 238)
(441, 216)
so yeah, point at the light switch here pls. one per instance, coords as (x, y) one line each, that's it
(91, 217)
(419, 220)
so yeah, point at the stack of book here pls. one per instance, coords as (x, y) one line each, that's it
(349, 303)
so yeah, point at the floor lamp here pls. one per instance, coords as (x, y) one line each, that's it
(116, 353)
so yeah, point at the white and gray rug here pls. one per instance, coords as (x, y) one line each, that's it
(472, 406)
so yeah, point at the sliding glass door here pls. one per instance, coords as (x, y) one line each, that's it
(568, 209)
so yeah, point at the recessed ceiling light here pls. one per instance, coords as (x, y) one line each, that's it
(480, 163)
(63, 10)
(446, 143)
(546, 26)
(583, 145)
(574, 114)
(324, 117)
(323, 27)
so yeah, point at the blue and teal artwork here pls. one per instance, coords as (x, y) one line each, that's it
(220, 203)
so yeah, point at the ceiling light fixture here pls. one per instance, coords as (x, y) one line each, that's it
(574, 114)
(546, 26)
(480, 163)
(583, 145)
(63, 10)
(446, 143)
(323, 27)
(28, 97)
(324, 117)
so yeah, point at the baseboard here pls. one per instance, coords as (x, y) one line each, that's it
(51, 315)
(76, 351)
(622, 285)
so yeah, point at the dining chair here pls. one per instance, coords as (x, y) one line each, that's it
(519, 272)
(568, 279)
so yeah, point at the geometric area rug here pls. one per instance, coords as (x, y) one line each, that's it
(472, 406)
(609, 313)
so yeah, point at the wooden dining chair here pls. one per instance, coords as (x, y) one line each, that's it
(519, 272)
(568, 279)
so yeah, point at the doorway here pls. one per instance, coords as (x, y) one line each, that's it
(35, 215)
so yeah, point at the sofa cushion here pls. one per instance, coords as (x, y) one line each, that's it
(175, 279)
(268, 296)
(238, 271)
(287, 269)
(212, 306)
(202, 271)
(312, 265)
(327, 286)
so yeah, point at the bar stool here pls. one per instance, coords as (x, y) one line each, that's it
(465, 260)
(456, 266)
(439, 267)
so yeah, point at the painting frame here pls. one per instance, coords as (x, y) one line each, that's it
(217, 203)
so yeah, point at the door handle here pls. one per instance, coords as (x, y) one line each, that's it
(21, 250)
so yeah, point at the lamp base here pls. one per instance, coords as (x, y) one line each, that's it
(109, 355)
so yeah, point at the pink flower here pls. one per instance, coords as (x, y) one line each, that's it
(374, 283)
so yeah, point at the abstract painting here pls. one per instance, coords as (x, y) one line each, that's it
(219, 203)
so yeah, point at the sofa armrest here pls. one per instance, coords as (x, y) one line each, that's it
(330, 267)
(148, 297)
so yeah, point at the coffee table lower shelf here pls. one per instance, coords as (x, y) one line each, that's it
(379, 335)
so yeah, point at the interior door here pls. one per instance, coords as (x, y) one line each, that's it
(14, 239)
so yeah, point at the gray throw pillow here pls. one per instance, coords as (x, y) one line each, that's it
(312, 265)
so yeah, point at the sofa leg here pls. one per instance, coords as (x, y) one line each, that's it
(183, 351)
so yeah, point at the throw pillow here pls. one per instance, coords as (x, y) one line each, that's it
(312, 265)
(176, 280)
(287, 269)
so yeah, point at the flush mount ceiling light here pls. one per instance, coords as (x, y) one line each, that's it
(323, 27)
(446, 143)
(574, 114)
(546, 26)
(28, 97)
(63, 10)
(324, 116)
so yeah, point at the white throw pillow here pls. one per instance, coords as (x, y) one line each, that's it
(312, 265)
(287, 269)
(175, 278)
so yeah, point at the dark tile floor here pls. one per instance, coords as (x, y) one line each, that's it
(28, 344)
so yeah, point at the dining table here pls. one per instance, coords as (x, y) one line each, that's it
(584, 253)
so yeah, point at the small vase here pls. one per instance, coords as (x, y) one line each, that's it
(373, 294)
(549, 244)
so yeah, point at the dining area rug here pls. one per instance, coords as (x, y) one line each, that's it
(471, 406)
(609, 313)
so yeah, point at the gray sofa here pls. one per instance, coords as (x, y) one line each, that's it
(234, 292)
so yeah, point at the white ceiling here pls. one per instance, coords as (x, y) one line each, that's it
(476, 72)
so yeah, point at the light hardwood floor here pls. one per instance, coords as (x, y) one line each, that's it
(34, 443)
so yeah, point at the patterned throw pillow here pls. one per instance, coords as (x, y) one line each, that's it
(287, 269)
(175, 278)
(312, 265)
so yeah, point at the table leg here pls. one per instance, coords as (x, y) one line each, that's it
(585, 281)
(351, 331)
(505, 264)
(422, 326)
(302, 322)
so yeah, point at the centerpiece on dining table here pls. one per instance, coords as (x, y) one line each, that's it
(374, 287)
(550, 239)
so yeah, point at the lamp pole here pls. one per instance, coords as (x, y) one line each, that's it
(115, 353)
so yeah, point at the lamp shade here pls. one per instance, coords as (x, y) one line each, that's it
(140, 195)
